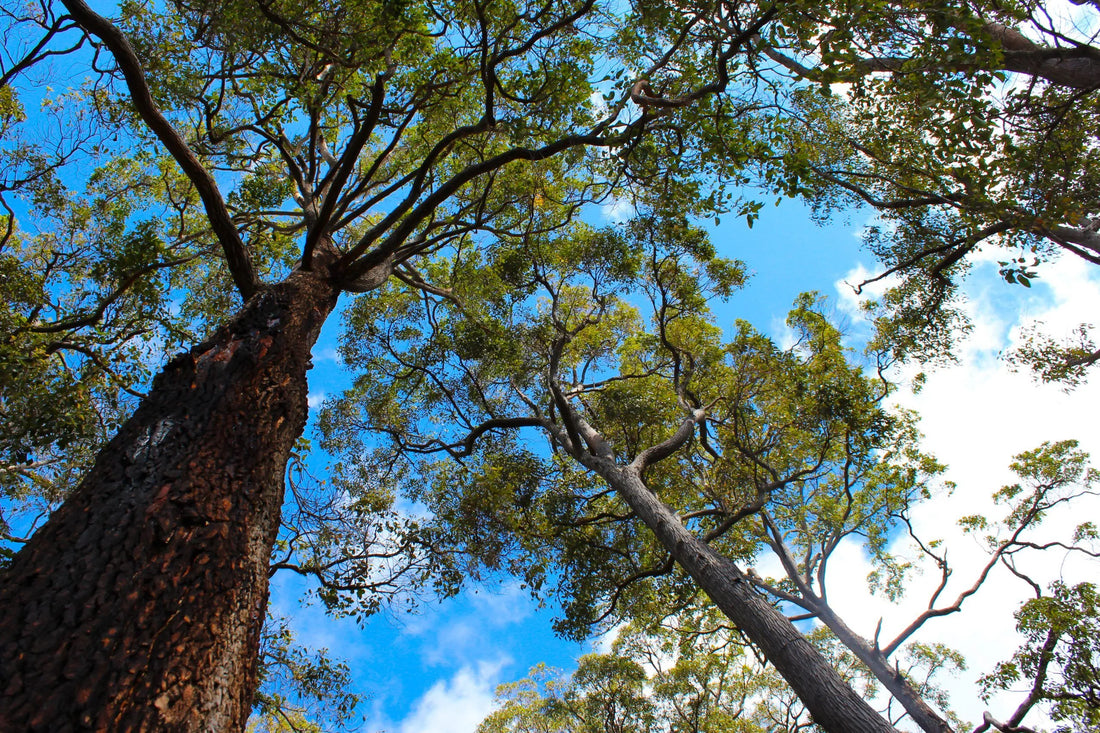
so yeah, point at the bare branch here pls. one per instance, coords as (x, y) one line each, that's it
(663, 450)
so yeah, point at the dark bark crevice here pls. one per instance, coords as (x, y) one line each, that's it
(139, 605)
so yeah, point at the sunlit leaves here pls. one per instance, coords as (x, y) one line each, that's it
(300, 690)
(664, 672)
(796, 429)
(86, 309)
(1060, 654)
(956, 155)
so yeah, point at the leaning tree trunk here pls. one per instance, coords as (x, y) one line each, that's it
(889, 675)
(138, 606)
(832, 702)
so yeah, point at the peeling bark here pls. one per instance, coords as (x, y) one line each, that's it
(139, 605)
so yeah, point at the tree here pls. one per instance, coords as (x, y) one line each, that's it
(1008, 93)
(396, 131)
(288, 154)
(720, 450)
(685, 672)
(567, 343)
(1060, 657)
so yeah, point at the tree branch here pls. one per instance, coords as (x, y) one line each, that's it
(663, 450)
(1074, 68)
(345, 166)
(236, 253)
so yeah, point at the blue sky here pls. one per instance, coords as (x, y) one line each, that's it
(435, 670)
(447, 657)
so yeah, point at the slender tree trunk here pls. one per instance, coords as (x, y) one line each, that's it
(832, 702)
(139, 605)
(921, 712)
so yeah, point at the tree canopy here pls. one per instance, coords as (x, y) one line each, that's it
(753, 449)
(550, 389)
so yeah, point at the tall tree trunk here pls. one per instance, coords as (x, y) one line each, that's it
(139, 605)
(890, 676)
(832, 702)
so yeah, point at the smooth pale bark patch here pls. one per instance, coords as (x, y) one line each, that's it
(832, 702)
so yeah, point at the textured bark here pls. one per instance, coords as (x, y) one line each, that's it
(832, 702)
(139, 605)
(1077, 68)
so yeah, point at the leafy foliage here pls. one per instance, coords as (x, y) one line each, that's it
(1060, 655)
(965, 127)
(300, 690)
(687, 671)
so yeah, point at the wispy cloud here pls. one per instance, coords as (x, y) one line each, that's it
(618, 210)
(458, 704)
(451, 636)
(504, 605)
(784, 335)
(326, 353)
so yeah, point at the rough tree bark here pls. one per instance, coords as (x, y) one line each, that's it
(139, 605)
(832, 702)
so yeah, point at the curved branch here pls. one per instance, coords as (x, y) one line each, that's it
(956, 249)
(466, 446)
(408, 215)
(643, 96)
(236, 253)
(663, 450)
(37, 53)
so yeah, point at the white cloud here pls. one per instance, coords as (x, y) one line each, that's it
(976, 416)
(504, 605)
(1069, 296)
(457, 705)
(603, 643)
(314, 399)
(326, 353)
(851, 302)
(784, 336)
(618, 210)
(456, 636)
(599, 104)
